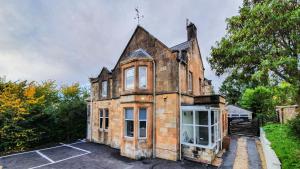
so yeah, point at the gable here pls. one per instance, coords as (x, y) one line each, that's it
(144, 40)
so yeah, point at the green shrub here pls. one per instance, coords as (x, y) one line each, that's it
(295, 126)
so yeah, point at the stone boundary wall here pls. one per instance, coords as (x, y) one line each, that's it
(272, 160)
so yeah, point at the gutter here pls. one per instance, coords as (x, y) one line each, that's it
(154, 111)
(91, 113)
(179, 91)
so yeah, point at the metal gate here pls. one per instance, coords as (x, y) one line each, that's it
(243, 126)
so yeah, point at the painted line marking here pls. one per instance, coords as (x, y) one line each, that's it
(67, 145)
(32, 151)
(59, 161)
(46, 157)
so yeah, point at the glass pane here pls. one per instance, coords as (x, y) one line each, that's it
(106, 113)
(213, 134)
(218, 132)
(106, 123)
(101, 122)
(104, 88)
(212, 117)
(129, 113)
(188, 134)
(143, 114)
(142, 129)
(190, 81)
(129, 128)
(201, 118)
(216, 116)
(143, 77)
(187, 117)
(202, 135)
(101, 113)
(129, 78)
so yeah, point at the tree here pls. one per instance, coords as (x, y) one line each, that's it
(260, 101)
(261, 43)
(16, 100)
(33, 114)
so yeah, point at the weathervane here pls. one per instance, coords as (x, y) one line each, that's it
(138, 15)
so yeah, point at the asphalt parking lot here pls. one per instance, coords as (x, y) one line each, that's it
(80, 155)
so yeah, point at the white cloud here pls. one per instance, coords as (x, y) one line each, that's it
(70, 40)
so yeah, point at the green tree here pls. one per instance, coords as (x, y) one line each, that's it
(33, 114)
(261, 43)
(260, 101)
(16, 101)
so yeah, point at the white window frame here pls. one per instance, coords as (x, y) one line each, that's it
(101, 118)
(125, 78)
(142, 120)
(146, 75)
(128, 120)
(190, 81)
(104, 88)
(217, 134)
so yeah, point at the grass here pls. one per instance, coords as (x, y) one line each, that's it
(285, 145)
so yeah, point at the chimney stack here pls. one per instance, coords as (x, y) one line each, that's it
(191, 31)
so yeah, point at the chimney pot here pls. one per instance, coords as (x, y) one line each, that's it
(191, 31)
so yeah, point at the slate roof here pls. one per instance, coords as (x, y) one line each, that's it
(182, 46)
(139, 53)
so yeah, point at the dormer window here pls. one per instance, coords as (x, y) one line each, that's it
(142, 77)
(129, 78)
(104, 89)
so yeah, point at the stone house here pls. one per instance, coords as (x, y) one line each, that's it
(155, 102)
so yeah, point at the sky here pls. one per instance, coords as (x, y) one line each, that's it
(71, 40)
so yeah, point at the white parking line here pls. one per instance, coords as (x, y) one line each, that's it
(30, 151)
(77, 148)
(49, 159)
(80, 141)
(58, 161)
(46, 157)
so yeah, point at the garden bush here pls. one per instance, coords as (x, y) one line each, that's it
(295, 126)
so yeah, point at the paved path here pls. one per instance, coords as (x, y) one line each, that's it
(242, 154)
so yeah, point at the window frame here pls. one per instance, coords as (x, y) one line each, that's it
(104, 94)
(125, 78)
(146, 77)
(145, 120)
(210, 145)
(125, 120)
(190, 81)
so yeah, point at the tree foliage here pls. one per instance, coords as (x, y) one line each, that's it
(260, 101)
(261, 44)
(32, 114)
(263, 39)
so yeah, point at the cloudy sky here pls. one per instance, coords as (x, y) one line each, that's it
(70, 40)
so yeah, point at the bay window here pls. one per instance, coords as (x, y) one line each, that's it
(200, 126)
(129, 78)
(142, 77)
(142, 123)
(129, 122)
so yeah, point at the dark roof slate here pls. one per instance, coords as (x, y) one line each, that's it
(182, 46)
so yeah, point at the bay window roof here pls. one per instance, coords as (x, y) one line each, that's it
(139, 53)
